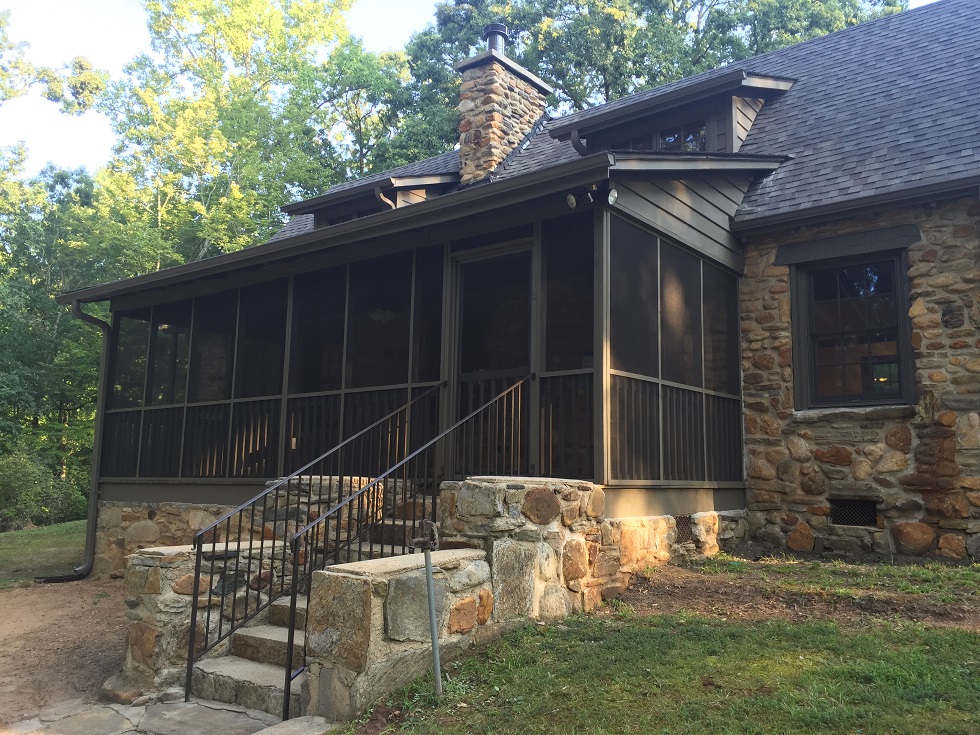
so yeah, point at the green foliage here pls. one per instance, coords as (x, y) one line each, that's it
(680, 674)
(29, 495)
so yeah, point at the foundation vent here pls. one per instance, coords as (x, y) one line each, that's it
(846, 512)
(684, 532)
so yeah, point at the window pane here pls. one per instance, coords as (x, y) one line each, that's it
(213, 347)
(427, 350)
(695, 139)
(261, 340)
(671, 139)
(633, 300)
(378, 321)
(569, 292)
(317, 346)
(129, 358)
(169, 353)
(680, 315)
(721, 331)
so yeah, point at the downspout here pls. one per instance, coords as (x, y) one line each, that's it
(93, 494)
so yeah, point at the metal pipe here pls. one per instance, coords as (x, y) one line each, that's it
(427, 543)
(85, 568)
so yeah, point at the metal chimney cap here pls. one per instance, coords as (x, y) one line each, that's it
(496, 34)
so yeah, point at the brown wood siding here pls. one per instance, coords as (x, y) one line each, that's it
(744, 109)
(695, 211)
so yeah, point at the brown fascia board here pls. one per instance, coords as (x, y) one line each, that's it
(677, 162)
(463, 203)
(732, 81)
(757, 225)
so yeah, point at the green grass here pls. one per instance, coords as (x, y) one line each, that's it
(689, 675)
(939, 582)
(40, 552)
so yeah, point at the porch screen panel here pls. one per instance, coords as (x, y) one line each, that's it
(566, 426)
(312, 428)
(378, 321)
(121, 442)
(317, 348)
(721, 331)
(634, 300)
(680, 315)
(427, 341)
(161, 442)
(683, 434)
(169, 354)
(569, 292)
(254, 438)
(130, 339)
(496, 442)
(213, 347)
(261, 340)
(635, 429)
(206, 440)
(723, 418)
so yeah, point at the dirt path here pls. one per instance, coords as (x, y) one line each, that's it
(58, 642)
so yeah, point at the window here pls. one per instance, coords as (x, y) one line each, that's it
(688, 138)
(850, 332)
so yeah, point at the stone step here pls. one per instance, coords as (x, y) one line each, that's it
(398, 531)
(267, 644)
(246, 683)
(279, 612)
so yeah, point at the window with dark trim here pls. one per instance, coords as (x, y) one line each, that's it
(851, 332)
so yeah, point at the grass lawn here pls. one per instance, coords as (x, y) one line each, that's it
(685, 673)
(40, 552)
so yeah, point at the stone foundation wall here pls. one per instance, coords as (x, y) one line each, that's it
(552, 550)
(919, 464)
(124, 528)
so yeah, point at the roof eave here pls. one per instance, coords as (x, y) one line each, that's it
(670, 163)
(798, 217)
(463, 203)
(731, 81)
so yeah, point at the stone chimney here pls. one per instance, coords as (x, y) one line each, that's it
(499, 103)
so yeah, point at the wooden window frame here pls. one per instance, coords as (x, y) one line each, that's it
(804, 369)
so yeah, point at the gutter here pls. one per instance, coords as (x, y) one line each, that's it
(88, 562)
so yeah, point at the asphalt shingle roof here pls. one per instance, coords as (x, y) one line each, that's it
(883, 107)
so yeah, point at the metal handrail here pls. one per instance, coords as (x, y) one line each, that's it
(232, 553)
(303, 552)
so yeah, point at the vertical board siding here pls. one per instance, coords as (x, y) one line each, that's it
(206, 441)
(566, 426)
(724, 438)
(161, 442)
(683, 434)
(254, 438)
(121, 444)
(635, 429)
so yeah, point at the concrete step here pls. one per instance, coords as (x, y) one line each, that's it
(267, 644)
(246, 683)
(279, 612)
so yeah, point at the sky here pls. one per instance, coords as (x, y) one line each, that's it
(110, 33)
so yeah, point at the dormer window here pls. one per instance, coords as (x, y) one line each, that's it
(687, 138)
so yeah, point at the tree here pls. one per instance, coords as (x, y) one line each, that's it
(74, 87)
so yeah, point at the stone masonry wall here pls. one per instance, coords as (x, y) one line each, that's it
(497, 109)
(920, 464)
(124, 528)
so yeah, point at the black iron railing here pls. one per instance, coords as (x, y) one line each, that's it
(381, 518)
(242, 562)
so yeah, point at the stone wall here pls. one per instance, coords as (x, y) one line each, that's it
(920, 464)
(552, 550)
(124, 528)
(368, 628)
(497, 109)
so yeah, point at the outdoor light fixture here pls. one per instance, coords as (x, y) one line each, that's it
(571, 201)
(612, 197)
(581, 200)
